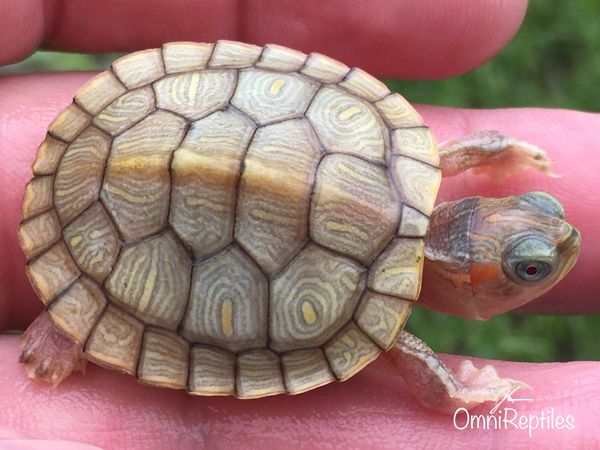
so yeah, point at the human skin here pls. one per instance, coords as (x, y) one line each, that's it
(374, 408)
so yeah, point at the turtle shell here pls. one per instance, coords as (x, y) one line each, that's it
(231, 219)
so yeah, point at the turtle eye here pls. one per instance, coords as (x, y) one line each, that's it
(530, 260)
(532, 270)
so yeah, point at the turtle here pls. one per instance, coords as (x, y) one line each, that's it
(231, 219)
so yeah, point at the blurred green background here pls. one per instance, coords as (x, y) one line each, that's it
(554, 61)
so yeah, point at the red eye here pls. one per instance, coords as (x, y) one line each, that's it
(532, 270)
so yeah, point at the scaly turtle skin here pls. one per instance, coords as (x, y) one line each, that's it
(231, 220)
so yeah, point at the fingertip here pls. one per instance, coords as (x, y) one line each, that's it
(22, 29)
(92, 26)
(395, 39)
(389, 38)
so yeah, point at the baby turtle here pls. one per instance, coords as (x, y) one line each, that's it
(239, 220)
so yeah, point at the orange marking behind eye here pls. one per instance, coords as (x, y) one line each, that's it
(483, 273)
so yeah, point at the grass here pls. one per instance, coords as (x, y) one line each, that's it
(554, 61)
(511, 336)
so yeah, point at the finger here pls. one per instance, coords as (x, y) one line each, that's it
(24, 19)
(29, 103)
(388, 38)
(371, 410)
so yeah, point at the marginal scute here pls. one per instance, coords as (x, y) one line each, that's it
(69, 123)
(92, 240)
(212, 371)
(78, 309)
(234, 54)
(136, 184)
(324, 68)
(417, 143)
(346, 124)
(205, 173)
(228, 303)
(417, 182)
(268, 96)
(281, 59)
(139, 68)
(79, 175)
(195, 94)
(116, 340)
(151, 280)
(304, 370)
(38, 233)
(38, 196)
(52, 272)
(397, 112)
(185, 56)
(163, 359)
(398, 270)
(354, 210)
(360, 83)
(274, 192)
(48, 156)
(126, 110)
(258, 374)
(350, 351)
(413, 223)
(382, 318)
(312, 298)
(99, 92)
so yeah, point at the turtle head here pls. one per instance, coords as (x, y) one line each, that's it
(516, 249)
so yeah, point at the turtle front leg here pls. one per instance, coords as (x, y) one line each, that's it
(47, 354)
(437, 387)
(492, 153)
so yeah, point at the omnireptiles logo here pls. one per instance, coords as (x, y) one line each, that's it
(505, 417)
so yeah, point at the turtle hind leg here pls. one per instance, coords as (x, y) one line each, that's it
(440, 389)
(492, 153)
(47, 354)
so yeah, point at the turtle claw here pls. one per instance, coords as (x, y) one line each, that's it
(493, 154)
(475, 386)
(47, 354)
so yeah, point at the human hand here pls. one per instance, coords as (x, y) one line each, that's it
(373, 409)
